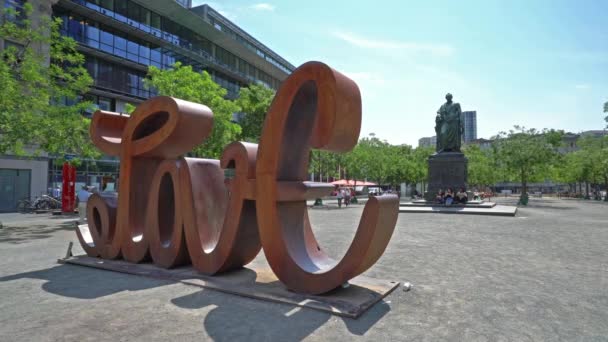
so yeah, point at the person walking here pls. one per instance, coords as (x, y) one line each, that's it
(83, 196)
(346, 197)
(340, 196)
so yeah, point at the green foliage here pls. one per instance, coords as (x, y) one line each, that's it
(482, 170)
(375, 160)
(129, 108)
(254, 101)
(589, 164)
(420, 166)
(42, 79)
(606, 111)
(527, 154)
(184, 83)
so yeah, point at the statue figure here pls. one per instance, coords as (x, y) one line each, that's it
(448, 126)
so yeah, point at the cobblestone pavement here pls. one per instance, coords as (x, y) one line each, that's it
(539, 276)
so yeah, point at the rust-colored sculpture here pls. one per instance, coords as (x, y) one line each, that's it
(178, 210)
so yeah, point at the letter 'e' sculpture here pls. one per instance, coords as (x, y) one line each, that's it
(177, 210)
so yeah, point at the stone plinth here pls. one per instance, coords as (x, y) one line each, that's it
(446, 170)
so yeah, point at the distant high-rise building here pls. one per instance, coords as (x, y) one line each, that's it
(469, 122)
(427, 141)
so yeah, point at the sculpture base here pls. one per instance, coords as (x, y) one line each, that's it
(446, 170)
(259, 283)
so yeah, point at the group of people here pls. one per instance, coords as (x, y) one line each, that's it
(344, 195)
(449, 197)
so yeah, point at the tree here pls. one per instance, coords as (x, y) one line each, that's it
(593, 156)
(184, 83)
(527, 154)
(482, 170)
(254, 101)
(420, 164)
(606, 111)
(42, 79)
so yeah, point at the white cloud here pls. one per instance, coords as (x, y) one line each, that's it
(368, 43)
(582, 86)
(263, 7)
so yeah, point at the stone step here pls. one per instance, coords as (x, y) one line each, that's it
(496, 210)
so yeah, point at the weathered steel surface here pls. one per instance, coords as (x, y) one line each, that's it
(316, 107)
(178, 210)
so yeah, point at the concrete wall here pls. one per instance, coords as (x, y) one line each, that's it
(39, 172)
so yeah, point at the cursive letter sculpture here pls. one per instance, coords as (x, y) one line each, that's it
(176, 210)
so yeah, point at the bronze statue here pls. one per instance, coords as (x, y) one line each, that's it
(448, 126)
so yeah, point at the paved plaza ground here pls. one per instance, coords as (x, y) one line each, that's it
(539, 276)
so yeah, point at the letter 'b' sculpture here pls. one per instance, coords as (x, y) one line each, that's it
(175, 210)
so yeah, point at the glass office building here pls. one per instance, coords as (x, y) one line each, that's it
(120, 39)
(469, 122)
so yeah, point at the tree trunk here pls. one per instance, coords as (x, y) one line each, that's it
(524, 182)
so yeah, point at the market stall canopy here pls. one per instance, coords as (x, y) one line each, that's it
(350, 182)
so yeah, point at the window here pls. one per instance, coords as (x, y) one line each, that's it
(107, 4)
(92, 35)
(17, 7)
(107, 41)
(155, 20)
(76, 28)
(105, 103)
(121, 10)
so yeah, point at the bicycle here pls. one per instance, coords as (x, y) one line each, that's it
(24, 205)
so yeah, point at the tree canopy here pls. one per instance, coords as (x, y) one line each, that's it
(606, 111)
(527, 154)
(184, 83)
(42, 79)
(482, 170)
(588, 164)
(374, 160)
(254, 101)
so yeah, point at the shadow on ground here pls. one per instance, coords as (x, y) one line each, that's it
(258, 319)
(86, 283)
(268, 322)
(18, 235)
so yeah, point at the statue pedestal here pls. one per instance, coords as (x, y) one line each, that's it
(446, 170)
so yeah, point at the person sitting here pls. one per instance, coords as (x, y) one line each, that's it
(461, 196)
(439, 198)
(449, 197)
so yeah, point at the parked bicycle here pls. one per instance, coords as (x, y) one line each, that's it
(25, 206)
(46, 202)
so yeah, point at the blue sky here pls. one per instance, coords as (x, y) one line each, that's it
(532, 63)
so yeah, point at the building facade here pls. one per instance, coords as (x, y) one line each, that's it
(120, 39)
(428, 141)
(469, 123)
(484, 144)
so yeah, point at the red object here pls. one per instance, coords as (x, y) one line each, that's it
(68, 193)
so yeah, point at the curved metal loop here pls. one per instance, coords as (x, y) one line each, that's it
(161, 127)
(96, 238)
(220, 222)
(315, 107)
(164, 222)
